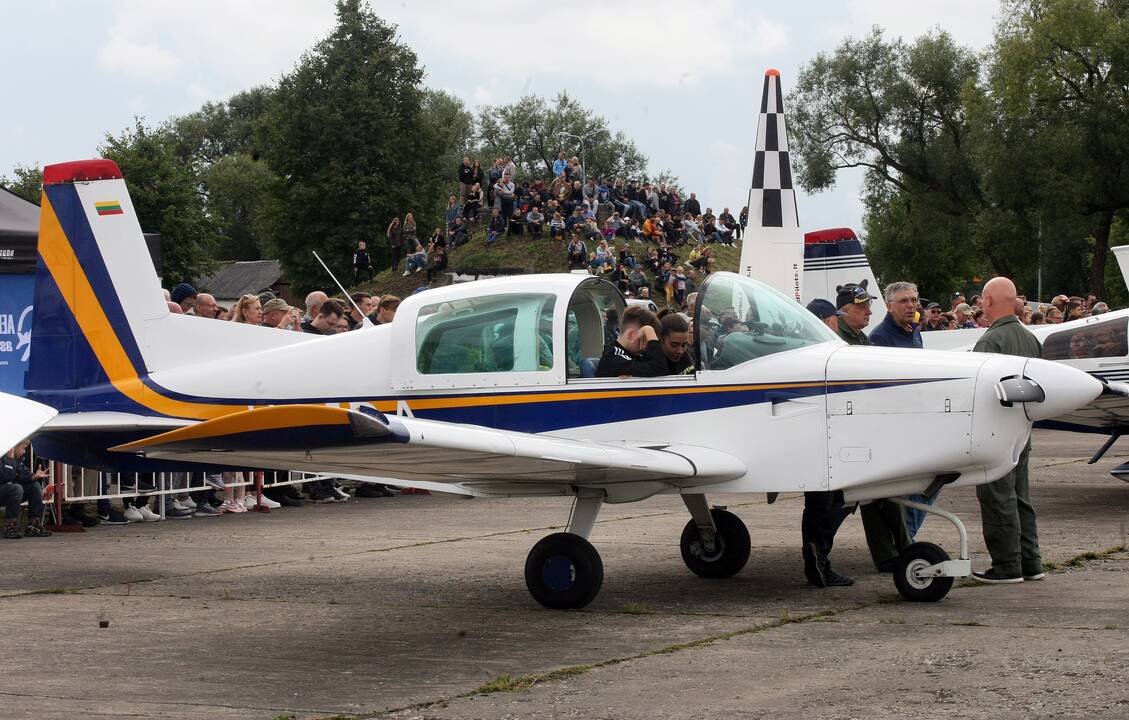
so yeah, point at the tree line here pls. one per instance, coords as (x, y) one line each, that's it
(1011, 161)
(328, 155)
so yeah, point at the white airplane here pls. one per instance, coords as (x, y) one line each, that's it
(484, 389)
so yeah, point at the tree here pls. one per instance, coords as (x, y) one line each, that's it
(166, 197)
(236, 187)
(895, 109)
(218, 130)
(530, 130)
(1058, 83)
(348, 137)
(27, 183)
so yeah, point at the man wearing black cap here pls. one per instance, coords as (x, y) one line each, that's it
(884, 523)
(184, 295)
(824, 510)
(853, 302)
(826, 312)
(932, 319)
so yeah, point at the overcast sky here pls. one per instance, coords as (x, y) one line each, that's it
(682, 79)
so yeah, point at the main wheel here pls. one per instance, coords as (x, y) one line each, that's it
(730, 552)
(563, 571)
(911, 561)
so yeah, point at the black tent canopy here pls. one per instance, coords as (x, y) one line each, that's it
(19, 232)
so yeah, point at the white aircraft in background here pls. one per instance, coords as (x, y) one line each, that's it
(484, 389)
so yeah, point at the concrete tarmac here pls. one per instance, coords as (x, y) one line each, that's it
(415, 607)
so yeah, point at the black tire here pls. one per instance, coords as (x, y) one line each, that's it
(915, 557)
(730, 554)
(564, 572)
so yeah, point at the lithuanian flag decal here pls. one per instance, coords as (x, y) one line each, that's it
(110, 207)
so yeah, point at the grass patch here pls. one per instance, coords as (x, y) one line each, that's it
(1082, 559)
(967, 623)
(637, 608)
(892, 621)
(57, 591)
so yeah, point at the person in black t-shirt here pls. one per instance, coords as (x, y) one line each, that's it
(675, 341)
(636, 351)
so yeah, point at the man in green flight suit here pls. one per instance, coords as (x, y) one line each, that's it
(884, 522)
(1005, 505)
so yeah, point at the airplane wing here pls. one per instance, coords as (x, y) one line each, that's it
(106, 420)
(22, 417)
(365, 442)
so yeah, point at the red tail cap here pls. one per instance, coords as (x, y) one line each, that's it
(81, 171)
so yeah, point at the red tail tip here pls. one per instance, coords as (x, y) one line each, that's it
(773, 72)
(81, 171)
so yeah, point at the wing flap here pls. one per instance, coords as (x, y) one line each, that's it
(319, 438)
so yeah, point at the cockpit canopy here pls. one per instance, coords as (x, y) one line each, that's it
(739, 319)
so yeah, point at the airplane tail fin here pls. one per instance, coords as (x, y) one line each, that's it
(101, 325)
(95, 287)
(835, 257)
(772, 248)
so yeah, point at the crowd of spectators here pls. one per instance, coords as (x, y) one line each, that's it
(213, 494)
(963, 314)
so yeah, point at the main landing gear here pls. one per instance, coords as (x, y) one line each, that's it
(924, 572)
(563, 571)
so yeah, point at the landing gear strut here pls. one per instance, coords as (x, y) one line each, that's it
(715, 543)
(924, 572)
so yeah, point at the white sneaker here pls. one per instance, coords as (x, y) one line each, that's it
(131, 515)
(405, 274)
(249, 502)
(148, 515)
(271, 504)
(175, 504)
(187, 502)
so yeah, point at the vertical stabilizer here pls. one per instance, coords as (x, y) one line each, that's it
(835, 257)
(773, 247)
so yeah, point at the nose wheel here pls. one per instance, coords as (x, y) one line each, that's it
(924, 572)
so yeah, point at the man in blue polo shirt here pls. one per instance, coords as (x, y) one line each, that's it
(898, 329)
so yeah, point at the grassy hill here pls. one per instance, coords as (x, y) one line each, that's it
(512, 255)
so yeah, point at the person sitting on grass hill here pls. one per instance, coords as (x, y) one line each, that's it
(416, 261)
(517, 227)
(577, 253)
(534, 220)
(557, 227)
(497, 226)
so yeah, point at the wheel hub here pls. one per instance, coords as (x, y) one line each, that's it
(913, 574)
(558, 573)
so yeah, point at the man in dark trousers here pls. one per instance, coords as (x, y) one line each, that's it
(637, 351)
(884, 522)
(824, 510)
(1010, 530)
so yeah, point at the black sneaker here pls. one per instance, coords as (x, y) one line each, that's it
(1032, 577)
(12, 531)
(813, 566)
(114, 518)
(36, 530)
(369, 490)
(991, 577)
(834, 579)
(289, 500)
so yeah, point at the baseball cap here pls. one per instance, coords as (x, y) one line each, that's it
(852, 293)
(933, 306)
(274, 304)
(963, 309)
(823, 309)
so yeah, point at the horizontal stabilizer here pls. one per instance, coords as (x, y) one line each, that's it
(22, 417)
(320, 438)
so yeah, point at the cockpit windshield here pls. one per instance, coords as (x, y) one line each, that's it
(739, 319)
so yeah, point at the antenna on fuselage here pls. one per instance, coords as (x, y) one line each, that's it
(365, 322)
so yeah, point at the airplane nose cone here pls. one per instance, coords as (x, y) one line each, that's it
(1065, 389)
